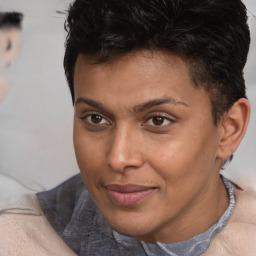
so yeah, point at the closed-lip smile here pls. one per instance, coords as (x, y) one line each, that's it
(128, 195)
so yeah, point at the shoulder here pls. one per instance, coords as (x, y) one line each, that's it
(239, 236)
(29, 234)
(66, 191)
(59, 203)
(74, 216)
(72, 213)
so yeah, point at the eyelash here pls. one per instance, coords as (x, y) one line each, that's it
(86, 121)
(164, 118)
(145, 123)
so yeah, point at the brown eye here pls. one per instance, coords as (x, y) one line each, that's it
(96, 119)
(158, 120)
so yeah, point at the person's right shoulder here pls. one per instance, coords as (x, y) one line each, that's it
(29, 235)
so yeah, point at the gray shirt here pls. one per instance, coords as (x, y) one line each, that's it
(75, 217)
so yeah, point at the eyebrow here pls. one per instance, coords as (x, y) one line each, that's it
(91, 103)
(156, 102)
(138, 108)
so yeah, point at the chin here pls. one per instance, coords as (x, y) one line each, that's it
(135, 229)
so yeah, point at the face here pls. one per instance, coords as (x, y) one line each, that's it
(147, 147)
(9, 48)
(10, 43)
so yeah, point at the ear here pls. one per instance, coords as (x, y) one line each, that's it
(233, 126)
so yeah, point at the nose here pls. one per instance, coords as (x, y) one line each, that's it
(124, 150)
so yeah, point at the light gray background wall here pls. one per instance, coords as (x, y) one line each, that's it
(36, 116)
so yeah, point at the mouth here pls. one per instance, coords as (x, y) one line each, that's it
(128, 195)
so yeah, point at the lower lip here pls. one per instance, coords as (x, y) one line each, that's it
(128, 199)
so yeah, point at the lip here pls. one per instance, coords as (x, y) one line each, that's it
(128, 195)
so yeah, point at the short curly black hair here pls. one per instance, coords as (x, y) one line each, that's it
(211, 36)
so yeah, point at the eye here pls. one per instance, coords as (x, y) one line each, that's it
(95, 119)
(158, 120)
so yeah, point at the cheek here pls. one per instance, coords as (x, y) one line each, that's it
(182, 172)
(183, 159)
(88, 152)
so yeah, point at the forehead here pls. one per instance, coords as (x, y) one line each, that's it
(146, 58)
(141, 64)
(136, 77)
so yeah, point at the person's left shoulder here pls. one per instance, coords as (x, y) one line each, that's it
(239, 236)
(246, 207)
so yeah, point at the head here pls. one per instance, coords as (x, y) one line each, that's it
(159, 101)
(10, 26)
(212, 37)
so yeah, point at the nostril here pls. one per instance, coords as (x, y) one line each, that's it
(116, 162)
(120, 163)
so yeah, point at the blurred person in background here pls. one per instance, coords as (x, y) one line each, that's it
(24, 229)
(10, 42)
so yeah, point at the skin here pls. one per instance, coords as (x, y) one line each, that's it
(10, 42)
(140, 120)
(4, 88)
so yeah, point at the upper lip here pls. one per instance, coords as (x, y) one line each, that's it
(129, 188)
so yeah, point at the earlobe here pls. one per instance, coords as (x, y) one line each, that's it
(233, 128)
